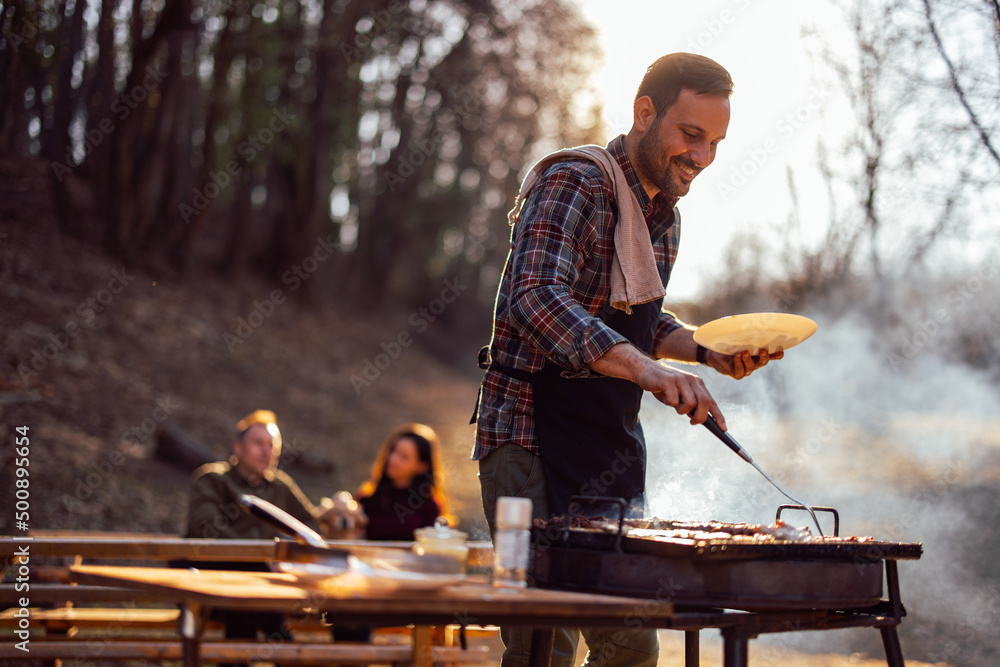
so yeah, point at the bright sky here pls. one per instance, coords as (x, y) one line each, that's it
(778, 111)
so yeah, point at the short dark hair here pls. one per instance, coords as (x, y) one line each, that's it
(665, 79)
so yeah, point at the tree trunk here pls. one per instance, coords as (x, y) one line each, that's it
(100, 94)
(155, 211)
(168, 231)
(70, 43)
(130, 167)
(315, 196)
(194, 217)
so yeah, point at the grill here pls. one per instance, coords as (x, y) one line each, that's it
(732, 566)
(733, 577)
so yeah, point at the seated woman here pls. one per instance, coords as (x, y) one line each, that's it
(406, 490)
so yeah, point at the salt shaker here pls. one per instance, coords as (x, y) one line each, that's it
(511, 542)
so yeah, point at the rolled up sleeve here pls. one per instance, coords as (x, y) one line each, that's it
(667, 324)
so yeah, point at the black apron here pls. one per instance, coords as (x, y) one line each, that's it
(589, 437)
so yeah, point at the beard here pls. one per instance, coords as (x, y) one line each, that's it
(657, 170)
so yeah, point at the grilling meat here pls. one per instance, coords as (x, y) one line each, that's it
(711, 531)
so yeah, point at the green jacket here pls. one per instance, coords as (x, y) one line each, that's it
(215, 511)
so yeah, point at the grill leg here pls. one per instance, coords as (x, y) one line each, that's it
(735, 651)
(893, 651)
(692, 648)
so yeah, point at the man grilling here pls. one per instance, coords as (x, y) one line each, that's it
(578, 329)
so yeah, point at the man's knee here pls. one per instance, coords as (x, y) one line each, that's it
(610, 647)
(517, 646)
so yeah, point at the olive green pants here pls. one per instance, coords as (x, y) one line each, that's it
(512, 470)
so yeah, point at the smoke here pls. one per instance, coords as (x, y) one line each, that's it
(901, 440)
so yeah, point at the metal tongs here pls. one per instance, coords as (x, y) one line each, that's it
(730, 442)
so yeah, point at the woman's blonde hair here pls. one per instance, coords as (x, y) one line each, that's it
(435, 472)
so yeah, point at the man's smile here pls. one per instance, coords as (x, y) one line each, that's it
(687, 172)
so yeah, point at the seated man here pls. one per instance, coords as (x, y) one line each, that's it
(215, 510)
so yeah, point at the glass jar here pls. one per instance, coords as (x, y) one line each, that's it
(511, 542)
(442, 540)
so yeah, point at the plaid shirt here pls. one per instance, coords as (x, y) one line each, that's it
(557, 277)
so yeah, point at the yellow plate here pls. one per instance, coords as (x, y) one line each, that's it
(754, 332)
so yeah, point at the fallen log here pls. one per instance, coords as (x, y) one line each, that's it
(176, 446)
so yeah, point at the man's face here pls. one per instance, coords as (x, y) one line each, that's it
(256, 451)
(680, 144)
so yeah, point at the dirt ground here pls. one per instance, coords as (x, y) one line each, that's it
(765, 655)
(761, 654)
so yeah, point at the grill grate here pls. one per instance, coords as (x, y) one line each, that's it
(659, 537)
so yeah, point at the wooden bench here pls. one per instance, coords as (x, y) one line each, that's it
(63, 620)
(240, 651)
(71, 629)
(68, 620)
(102, 633)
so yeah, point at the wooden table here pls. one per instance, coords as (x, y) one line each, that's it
(152, 547)
(737, 628)
(346, 598)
